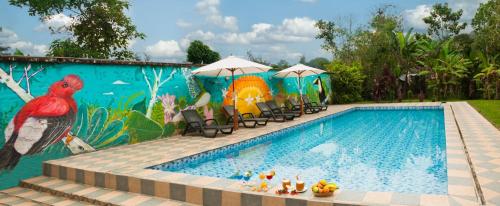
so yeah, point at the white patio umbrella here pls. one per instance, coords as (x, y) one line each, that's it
(231, 66)
(299, 71)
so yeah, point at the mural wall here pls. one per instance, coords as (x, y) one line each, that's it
(53, 110)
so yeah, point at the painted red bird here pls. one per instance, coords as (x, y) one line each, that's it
(41, 122)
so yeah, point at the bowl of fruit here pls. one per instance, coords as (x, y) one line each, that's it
(324, 189)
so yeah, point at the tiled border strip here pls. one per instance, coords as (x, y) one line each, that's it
(190, 189)
(65, 195)
(479, 191)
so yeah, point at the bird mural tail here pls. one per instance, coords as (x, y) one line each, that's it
(9, 157)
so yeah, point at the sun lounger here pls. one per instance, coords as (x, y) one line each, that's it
(307, 102)
(195, 122)
(282, 110)
(265, 111)
(247, 119)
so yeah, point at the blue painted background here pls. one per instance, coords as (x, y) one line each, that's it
(118, 90)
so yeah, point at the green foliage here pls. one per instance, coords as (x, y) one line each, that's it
(182, 102)
(101, 28)
(96, 123)
(99, 131)
(329, 33)
(65, 48)
(443, 22)
(311, 93)
(18, 52)
(158, 114)
(444, 68)
(282, 64)
(125, 106)
(111, 142)
(140, 128)
(80, 126)
(319, 62)
(346, 81)
(489, 75)
(168, 129)
(489, 109)
(259, 59)
(140, 106)
(111, 130)
(199, 53)
(485, 23)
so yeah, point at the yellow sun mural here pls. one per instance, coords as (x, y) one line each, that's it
(249, 90)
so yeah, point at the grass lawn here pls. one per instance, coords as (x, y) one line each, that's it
(489, 109)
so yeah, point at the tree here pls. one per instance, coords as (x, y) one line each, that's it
(65, 48)
(100, 27)
(346, 82)
(406, 49)
(259, 59)
(302, 60)
(18, 52)
(199, 53)
(329, 33)
(486, 24)
(378, 52)
(444, 67)
(282, 64)
(443, 22)
(319, 62)
(489, 75)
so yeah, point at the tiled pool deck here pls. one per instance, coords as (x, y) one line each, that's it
(123, 168)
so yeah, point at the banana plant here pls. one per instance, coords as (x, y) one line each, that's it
(98, 130)
(489, 75)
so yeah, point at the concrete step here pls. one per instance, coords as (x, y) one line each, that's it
(94, 195)
(25, 196)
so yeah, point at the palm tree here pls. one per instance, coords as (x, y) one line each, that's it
(427, 53)
(406, 47)
(453, 67)
(490, 73)
(445, 66)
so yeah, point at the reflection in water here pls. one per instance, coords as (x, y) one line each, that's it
(400, 151)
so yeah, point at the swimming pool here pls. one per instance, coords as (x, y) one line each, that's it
(365, 149)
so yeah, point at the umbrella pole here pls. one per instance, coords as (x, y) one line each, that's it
(235, 111)
(300, 97)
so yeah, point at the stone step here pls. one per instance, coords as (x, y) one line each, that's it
(25, 196)
(94, 195)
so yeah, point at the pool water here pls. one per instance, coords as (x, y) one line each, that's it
(364, 150)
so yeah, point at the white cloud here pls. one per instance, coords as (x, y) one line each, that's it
(413, 17)
(210, 8)
(303, 26)
(196, 35)
(57, 22)
(183, 24)
(299, 29)
(468, 6)
(169, 48)
(10, 39)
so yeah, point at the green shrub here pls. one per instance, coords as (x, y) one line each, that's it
(347, 82)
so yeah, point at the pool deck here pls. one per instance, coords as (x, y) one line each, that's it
(123, 168)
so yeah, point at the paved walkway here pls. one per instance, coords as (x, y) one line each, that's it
(483, 143)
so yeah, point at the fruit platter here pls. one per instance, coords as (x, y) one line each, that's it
(324, 188)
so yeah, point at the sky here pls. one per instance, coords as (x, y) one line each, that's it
(273, 30)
